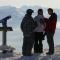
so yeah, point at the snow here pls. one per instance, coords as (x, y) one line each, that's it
(34, 57)
(43, 56)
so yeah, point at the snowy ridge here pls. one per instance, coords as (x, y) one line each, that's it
(43, 56)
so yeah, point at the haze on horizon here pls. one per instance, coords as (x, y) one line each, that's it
(42, 3)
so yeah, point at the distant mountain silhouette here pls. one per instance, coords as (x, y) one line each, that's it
(18, 13)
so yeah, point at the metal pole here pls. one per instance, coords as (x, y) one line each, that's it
(4, 32)
(4, 37)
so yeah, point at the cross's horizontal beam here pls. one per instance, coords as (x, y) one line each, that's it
(6, 29)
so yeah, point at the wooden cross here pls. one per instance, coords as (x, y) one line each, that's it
(4, 29)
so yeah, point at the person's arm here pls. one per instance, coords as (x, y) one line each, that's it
(21, 26)
(35, 22)
(53, 22)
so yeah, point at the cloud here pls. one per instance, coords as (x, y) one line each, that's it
(19, 3)
(58, 25)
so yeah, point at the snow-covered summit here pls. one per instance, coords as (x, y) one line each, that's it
(55, 56)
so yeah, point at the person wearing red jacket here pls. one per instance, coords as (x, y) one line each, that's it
(50, 30)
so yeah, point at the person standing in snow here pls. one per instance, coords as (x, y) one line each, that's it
(39, 19)
(27, 27)
(50, 30)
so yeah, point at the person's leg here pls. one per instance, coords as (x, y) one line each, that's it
(24, 46)
(40, 42)
(27, 45)
(36, 43)
(50, 42)
(30, 43)
(51, 45)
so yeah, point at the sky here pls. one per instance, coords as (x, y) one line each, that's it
(43, 3)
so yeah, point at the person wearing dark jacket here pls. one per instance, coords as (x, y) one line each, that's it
(50, 30)
(27, 27)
